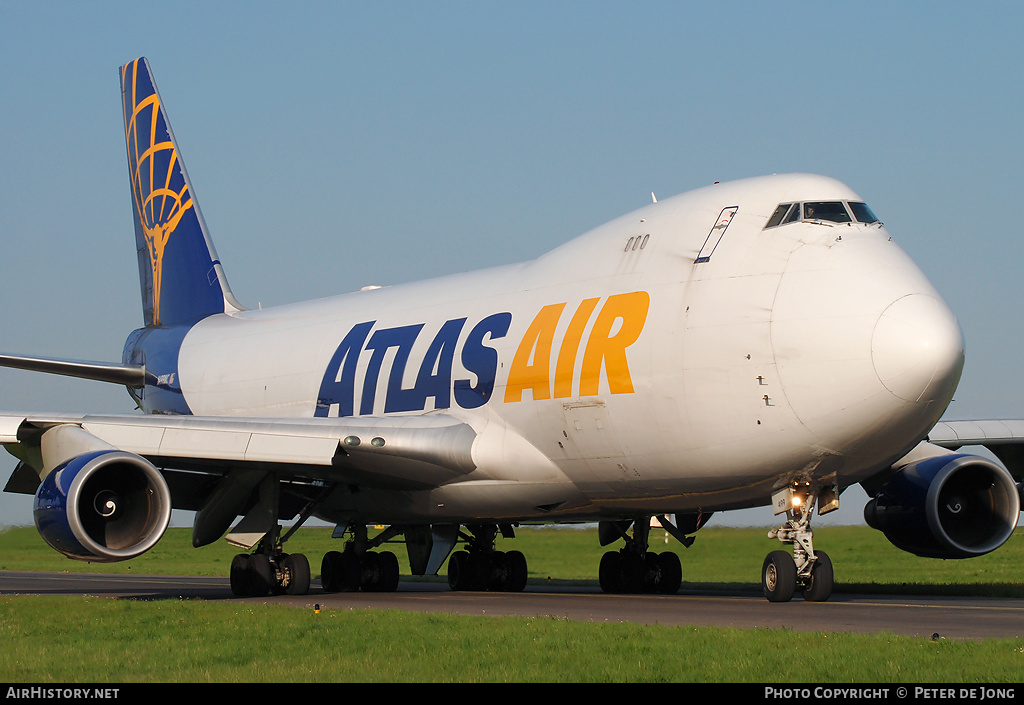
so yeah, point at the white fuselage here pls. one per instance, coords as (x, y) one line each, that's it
(628, 377)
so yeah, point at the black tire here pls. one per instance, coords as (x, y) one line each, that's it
(340, 572)
(379, 571)
(261, 577)
(632, 571)
(498, 573)
(351, 571)
(670, 573)
(388, 571)
(330, 572)
(819, 588)
(608, 573)
(296, 566)
(517, 571)
(369, 574)
(459, 574)
(778, 577)
(239, 575)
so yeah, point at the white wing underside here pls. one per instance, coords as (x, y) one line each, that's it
(402, 452)
(988, 432)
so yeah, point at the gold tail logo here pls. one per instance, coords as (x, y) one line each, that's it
(152, 168)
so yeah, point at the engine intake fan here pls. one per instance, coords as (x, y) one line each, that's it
(105, 506)
(950, 506)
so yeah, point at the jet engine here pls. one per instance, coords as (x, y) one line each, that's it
(949, 506)
(105, 506)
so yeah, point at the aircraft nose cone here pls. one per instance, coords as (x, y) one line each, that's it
(917, 349)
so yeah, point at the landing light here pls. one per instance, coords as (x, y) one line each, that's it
(789, 499)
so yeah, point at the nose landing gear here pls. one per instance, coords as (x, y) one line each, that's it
(808, 570)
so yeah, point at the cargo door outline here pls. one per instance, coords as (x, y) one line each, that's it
(716, 234)
(601, 456)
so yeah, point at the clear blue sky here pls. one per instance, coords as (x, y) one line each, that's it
(338, 144)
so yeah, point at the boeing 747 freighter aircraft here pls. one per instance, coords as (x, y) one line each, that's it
(755, 343)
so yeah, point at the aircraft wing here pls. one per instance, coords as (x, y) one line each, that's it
(1003, 437)
(412, 452)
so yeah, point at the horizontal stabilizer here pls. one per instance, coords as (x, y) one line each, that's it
(128, 375)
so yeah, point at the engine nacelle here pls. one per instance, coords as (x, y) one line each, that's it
(104, 506)
(950, 506)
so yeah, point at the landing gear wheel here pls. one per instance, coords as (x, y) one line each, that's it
(278, 576)
(819, 587)
(498, 575)
(459, 575)
(340, 572)
(330, 572)
(495, 571)
(778, 577)
(296, 574)
(632, 572)
(369, 577)
(388, 572)
(608, 573)
(257, 575)
(240, 575)
(379, 572)
(635, 569)
(260, 576)
(670, 573)
(517, 572)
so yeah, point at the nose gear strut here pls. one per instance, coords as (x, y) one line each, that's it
(807, 569)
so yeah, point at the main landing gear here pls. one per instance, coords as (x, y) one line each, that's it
(808, 570)
(481, 567)
(278, 573)
(633, 568)
(269, 571)
(358, 567)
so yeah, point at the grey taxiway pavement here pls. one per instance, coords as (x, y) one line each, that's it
(922, 616)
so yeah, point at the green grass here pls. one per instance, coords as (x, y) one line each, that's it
(81, 639)
(76, 640)
(721, 559)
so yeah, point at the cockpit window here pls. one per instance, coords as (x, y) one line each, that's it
(821, 212)
(862, 213)
(777, 215)
(833, 211)
(794, 214)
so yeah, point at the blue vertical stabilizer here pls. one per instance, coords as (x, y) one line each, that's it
(182, 279)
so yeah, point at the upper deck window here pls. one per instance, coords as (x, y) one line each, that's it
(821, 211)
